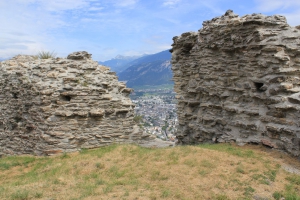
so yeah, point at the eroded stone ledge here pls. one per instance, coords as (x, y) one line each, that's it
(59, 105)
(237, 79)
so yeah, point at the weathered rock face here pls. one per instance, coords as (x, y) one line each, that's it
(237, 79)
(61, 105)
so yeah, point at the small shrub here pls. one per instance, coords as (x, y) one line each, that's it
(56, 181)
(203, 172)
(138, 119)
(85, 84)
(100, 182)
(271, 174)
(38, 195)
(277, 195)
(99, 166)
(240, 169)
(248, 191)
(65, 155)
(46, 54)
(165, 194)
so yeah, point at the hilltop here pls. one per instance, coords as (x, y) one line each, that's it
(221, 172)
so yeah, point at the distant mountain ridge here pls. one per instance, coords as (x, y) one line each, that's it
(119, 63)
(148, 70)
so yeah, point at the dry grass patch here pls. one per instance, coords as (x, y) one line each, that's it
(130, 172)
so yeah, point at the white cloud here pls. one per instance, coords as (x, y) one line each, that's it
(211, 5)
(293, 19)
(273, 5)
(58, 5)
(126, 26)
(289, 8)
(171, 3)
(27, 26)
(125, 3)
(96, 8)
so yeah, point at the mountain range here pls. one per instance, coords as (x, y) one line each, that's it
(119, 63)
(150, 70)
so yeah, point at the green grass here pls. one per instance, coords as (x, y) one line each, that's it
(13, 161)
(99, 165)
(173, 158)
(65, 155)
(228, 148)
(132, 172)
(295, 179)
(271, 174)
(38, 195)
(20, 195)
(291, 193)
(221, 197)
(249, 191)
(165, 193)
(207, 164)
(277, 195)
(116, 172)
(240, 169)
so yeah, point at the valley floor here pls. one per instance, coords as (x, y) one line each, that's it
(157, 111)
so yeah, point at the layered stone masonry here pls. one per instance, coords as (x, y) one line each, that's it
(55, 105)
(237, 79)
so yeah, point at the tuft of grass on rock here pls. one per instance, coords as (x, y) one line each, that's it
(46, 54)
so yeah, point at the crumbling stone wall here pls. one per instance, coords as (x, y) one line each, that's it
(49, 106)
(237, 79)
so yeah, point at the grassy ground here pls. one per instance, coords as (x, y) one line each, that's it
(218, 172)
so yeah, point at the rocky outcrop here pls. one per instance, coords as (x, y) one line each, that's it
(237, 79)
(49, 106)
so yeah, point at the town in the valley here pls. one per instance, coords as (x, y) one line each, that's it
(156, 112)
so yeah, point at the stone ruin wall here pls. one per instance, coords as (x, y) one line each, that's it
(48, 106)
(238, 79)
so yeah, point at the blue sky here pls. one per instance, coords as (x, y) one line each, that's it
(107, 28)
